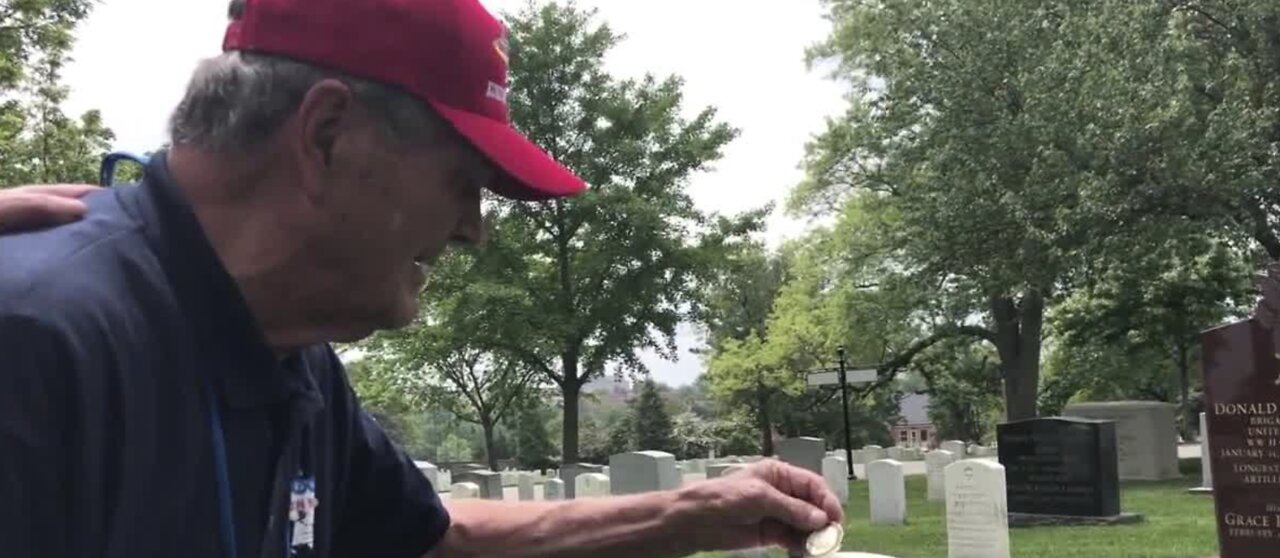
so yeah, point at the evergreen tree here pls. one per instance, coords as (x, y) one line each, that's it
(651, 421)
(534, 449)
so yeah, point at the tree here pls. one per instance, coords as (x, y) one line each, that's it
(654, 429)
(963, 383)
(447, 354)
(38, 143)
(613, 271)
(1155, 305)
(534, 449)
(1009, 171)
(454, 448)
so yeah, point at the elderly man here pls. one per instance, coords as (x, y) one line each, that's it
(167, 386)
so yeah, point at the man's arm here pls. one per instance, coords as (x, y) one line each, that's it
(769, 503)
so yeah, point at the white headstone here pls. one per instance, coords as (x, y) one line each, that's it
(444, 477)
(464, 490)
(591, 485)
(1146, 436)
(895, 453)
(956, 447)
(1206, 469)
(643, 471)
(836, 472)
(553, 489)
(935, 464)
(873, 453)
(570, 471)
(490, 482)
(977, 514)
(524, 486)
(806, 453)
(888, 492)
(430, 471)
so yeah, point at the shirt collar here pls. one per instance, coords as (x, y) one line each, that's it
(245, 370)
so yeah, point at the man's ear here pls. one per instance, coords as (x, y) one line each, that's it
(325, 113)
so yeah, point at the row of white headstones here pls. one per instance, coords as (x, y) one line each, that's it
(586, 485)
(973, 489)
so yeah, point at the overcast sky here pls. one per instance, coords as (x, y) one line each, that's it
(745, 57)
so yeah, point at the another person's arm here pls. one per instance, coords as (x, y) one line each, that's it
(28, 207)
(768, 503)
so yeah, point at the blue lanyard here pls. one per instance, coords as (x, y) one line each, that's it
(226, 517)
(225, 513)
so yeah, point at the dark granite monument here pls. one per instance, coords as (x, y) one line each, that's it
(1242, 386)
(1061, 471)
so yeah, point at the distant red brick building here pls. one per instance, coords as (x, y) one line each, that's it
(914, 429)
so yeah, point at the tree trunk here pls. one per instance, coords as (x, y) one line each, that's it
(764, 419)
(486, 424)
(570, 390)
(1184, 390)
(1018, 340)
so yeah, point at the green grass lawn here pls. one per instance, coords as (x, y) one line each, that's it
(1178, 525)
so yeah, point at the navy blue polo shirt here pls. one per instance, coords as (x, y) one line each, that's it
(118, 335)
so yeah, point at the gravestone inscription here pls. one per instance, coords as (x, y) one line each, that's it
(977, 516)
(1065, 467)
(1242, 385)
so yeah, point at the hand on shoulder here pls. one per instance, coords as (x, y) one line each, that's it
(27, 207)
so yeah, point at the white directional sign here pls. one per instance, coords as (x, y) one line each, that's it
(827, 378)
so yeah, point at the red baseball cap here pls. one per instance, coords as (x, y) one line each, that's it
(452, 54)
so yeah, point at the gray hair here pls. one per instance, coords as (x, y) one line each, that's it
(238, 99)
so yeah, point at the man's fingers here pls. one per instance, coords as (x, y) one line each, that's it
(26, 210)
(808, 486)
(790, 511)
(776, 533)
(60, 190)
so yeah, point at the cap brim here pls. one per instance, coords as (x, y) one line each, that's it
(532, 174)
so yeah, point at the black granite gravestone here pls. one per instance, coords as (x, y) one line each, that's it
(1061, 470)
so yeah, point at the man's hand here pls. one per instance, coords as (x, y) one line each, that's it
(768, 503)
(27, 207)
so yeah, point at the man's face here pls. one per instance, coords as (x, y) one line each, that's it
(389, 210)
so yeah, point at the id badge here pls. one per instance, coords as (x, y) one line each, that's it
(302, 515)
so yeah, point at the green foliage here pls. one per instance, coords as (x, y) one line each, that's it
(1132, 331)
(733, 435)
(651, 423)
(596, 278)
(38, 143)
(963, 383)
(534, 448)
(1001, 178)
(454, 448)
(446, 356)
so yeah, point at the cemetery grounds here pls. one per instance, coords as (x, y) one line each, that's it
(1178, 525)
